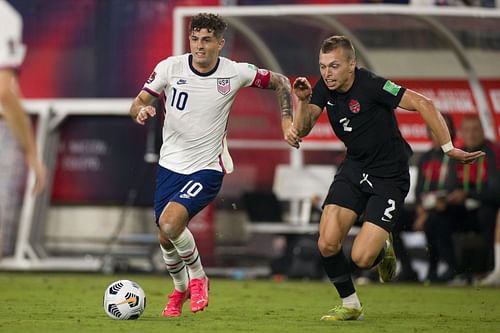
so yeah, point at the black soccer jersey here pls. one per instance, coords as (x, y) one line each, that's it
(363, 118)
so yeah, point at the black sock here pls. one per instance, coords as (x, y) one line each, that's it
(338, 271)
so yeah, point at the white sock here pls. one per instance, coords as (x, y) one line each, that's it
(176, 268)
(497, 258)
(186, 247)
(351, 301)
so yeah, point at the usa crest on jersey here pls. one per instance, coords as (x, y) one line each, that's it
(223, 86)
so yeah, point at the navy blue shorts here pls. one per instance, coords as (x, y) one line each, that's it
(194, 191)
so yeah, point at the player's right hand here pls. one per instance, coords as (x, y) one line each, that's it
(302, 88)
(145, 112)
(292, 137)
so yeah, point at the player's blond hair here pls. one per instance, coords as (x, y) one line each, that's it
(336, 42)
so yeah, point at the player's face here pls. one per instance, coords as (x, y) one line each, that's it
(205, 48)
(472, 133)
(337, 70)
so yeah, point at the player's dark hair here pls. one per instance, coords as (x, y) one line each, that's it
(335, 42)
(208, 21)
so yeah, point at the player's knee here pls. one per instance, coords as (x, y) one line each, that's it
(362, 260)
(327, 247)
(169, 228)
(164, 241)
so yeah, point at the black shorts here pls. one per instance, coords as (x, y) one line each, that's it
(380, 199)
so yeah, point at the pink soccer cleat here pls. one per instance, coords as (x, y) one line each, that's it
(175, 301)
(199, 294)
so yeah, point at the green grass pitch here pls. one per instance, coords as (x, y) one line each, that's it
(60, 302)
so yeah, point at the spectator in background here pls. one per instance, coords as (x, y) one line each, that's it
(478, 186)
(433, 214)
(406, 221)
(12, 52)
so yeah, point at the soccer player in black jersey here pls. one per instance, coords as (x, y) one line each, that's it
(373, 178)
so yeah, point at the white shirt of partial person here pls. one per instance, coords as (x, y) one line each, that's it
(197, 109)
(12, 50)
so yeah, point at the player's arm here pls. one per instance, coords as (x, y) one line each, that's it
(142, 108)
(414, 101)
(18, 121)
(281, 85)
(306, 114)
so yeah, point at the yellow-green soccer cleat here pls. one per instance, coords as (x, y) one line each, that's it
(387, 267)
(341, 313)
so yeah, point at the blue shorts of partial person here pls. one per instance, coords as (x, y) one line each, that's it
(194, 191)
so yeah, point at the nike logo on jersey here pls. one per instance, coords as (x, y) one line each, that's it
(329, 103)
(385, 219)
(181, 81)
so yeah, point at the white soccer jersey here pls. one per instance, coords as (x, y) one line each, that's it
(197, 109)
(12, 50)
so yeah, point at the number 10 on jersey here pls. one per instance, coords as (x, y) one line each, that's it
(191, 189)
(179, 99)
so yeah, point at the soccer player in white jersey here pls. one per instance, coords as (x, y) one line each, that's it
(200, 88)
(12, 52)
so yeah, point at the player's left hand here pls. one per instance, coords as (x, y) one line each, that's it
(463, 156)
(302, 89)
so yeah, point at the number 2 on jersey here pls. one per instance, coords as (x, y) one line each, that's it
(345, 124)
(181, 101)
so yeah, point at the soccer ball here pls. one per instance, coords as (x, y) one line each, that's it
(124, 299)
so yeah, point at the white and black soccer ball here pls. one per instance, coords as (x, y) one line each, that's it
(124, 300)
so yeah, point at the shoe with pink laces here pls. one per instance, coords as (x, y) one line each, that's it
(175, 301)
(199, 294)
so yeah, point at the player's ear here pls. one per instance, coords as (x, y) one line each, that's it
(222, 41)
(352, 65)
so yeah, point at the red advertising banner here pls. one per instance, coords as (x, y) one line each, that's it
(453, 97)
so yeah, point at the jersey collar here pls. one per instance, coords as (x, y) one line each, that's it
(190, 61)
